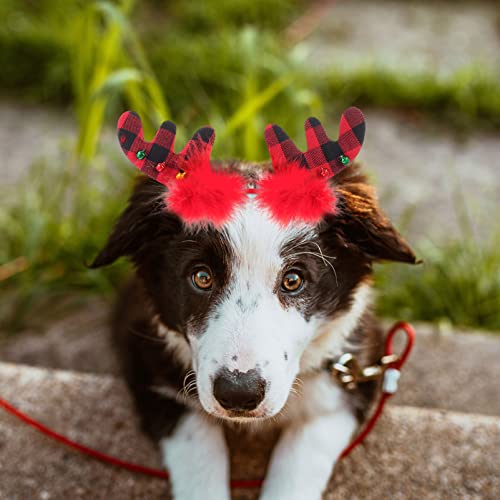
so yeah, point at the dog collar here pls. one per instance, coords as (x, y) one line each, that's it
(296, 190)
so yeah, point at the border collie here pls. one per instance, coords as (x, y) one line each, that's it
(236, 324)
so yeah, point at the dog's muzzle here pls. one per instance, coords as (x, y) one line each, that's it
(238, 391)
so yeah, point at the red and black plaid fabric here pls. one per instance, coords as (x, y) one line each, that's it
(322, 153)
(157, 158)
(210, 195)
(281, 147)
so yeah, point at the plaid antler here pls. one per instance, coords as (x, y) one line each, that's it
(202, 195)
(157, 158)
(295, 191)
(323, 155)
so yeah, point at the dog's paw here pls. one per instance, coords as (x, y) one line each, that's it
(286, 493)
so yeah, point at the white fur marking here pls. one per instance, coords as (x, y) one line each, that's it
(196, 456)
(253, 330)
(303, 459)
(174, 341)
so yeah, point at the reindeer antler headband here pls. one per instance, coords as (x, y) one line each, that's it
(296, 190)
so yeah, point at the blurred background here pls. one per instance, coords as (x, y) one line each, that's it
(426, 74)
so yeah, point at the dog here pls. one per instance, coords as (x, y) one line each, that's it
(236, 325)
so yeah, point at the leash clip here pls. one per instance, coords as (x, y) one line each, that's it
(349, 373)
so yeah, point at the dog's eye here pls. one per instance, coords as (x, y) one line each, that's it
(202, 278)
(292, 282)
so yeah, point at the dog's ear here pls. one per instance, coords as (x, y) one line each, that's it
(360, 222)
(143, 221)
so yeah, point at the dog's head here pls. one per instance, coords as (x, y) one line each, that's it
(251, 298)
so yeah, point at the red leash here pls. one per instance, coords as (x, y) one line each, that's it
(387, 392)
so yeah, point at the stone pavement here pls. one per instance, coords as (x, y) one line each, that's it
(437, 37)
(413, 453)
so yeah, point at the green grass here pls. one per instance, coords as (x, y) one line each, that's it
(458, 284)
(56, 220)
(50, 231)
(468, 98)
(184, 38)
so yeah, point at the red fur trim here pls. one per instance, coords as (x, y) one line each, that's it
(204, 195)
(293, 193)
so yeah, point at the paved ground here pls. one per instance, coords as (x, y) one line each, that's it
(436, 36)
(413, 453)
(430, 178)
(29, 133)
(78, 342)
(454, 371)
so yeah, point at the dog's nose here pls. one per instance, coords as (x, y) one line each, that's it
(239, 391)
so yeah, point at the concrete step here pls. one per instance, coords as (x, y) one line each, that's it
(452, 370)
(456, 371)
(413, 453)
